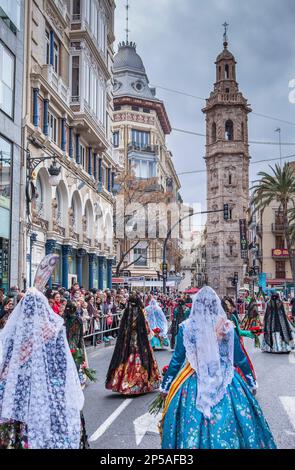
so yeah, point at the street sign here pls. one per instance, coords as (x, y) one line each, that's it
(243, 239)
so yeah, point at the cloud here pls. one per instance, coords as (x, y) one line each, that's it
(179, 40)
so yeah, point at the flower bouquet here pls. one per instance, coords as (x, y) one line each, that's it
(157, 404)
(257, 331)
(81, 364)
(157, 331)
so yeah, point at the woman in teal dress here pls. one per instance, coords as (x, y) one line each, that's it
(207, 404)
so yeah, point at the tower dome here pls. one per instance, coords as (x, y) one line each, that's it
(130, 78)
(128, 59)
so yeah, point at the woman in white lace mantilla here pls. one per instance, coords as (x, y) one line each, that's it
(40, 392)
(208, 405)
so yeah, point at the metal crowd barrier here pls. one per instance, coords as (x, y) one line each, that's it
(97, 335)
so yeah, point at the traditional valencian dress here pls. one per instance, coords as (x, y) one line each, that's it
(74, 332)
(228, 306)
(40, 392)
(279, 333)
(180, 313)
(133, 369)
(208, 405)
(251, 320)
(158, 325)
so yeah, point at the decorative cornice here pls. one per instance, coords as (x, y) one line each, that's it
(157, 106)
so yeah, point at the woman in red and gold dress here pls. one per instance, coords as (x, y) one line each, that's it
(133, 369)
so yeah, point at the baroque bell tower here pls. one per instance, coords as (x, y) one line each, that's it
(227, 163)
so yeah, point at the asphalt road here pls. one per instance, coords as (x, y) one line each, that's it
(115, 422)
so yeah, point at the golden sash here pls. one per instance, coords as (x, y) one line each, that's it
(185, 372)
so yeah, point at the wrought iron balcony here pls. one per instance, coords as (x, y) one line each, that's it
(277, 228)
(280, 274)
(147, 148)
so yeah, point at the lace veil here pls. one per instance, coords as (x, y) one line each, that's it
(39, 383)
(209, 343)
(156, 317)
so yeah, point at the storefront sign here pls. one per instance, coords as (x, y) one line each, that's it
(277, 252)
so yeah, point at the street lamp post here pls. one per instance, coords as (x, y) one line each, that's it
(33, 239)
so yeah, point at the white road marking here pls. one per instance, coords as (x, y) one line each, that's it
(104, 426)
(289, 405)
(145, 423)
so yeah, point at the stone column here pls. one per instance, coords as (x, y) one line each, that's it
(35, 107)
(80, 254)
(95, 165)
(91, 257)
(45, 116)
(90, 160)
(66, 251)
(71, 148)
(51, 52)
(100, 271)
(49, 248)
(78, 156)
(63, 134)
(109, 273)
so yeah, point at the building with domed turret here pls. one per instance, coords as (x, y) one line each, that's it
(140, 127)
(227, 161)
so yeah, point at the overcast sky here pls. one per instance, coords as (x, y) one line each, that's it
(179, 40)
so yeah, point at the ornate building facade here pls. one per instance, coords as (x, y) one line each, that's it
(139, 132)
(68, 115)
(11, 73)
(227, 162)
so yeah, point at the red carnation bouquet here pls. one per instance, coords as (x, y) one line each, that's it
(81, 364)
(158, 403)
(257, 331)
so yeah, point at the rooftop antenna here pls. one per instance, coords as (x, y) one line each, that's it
(127, 21)
(225, 38)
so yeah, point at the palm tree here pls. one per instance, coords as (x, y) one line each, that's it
(280, 187)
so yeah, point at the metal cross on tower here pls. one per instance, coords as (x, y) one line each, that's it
(225, 39)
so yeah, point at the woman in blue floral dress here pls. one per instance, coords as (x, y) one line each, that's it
(208, 405)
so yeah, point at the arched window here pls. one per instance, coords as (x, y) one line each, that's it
(213, 132)
(229, 179)
(226, 72)
(229, 130)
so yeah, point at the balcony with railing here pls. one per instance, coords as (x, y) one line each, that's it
(80, 26)
(82, 111)
(277, 227)
(144, 148)
(56, 82)
(280, 274)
